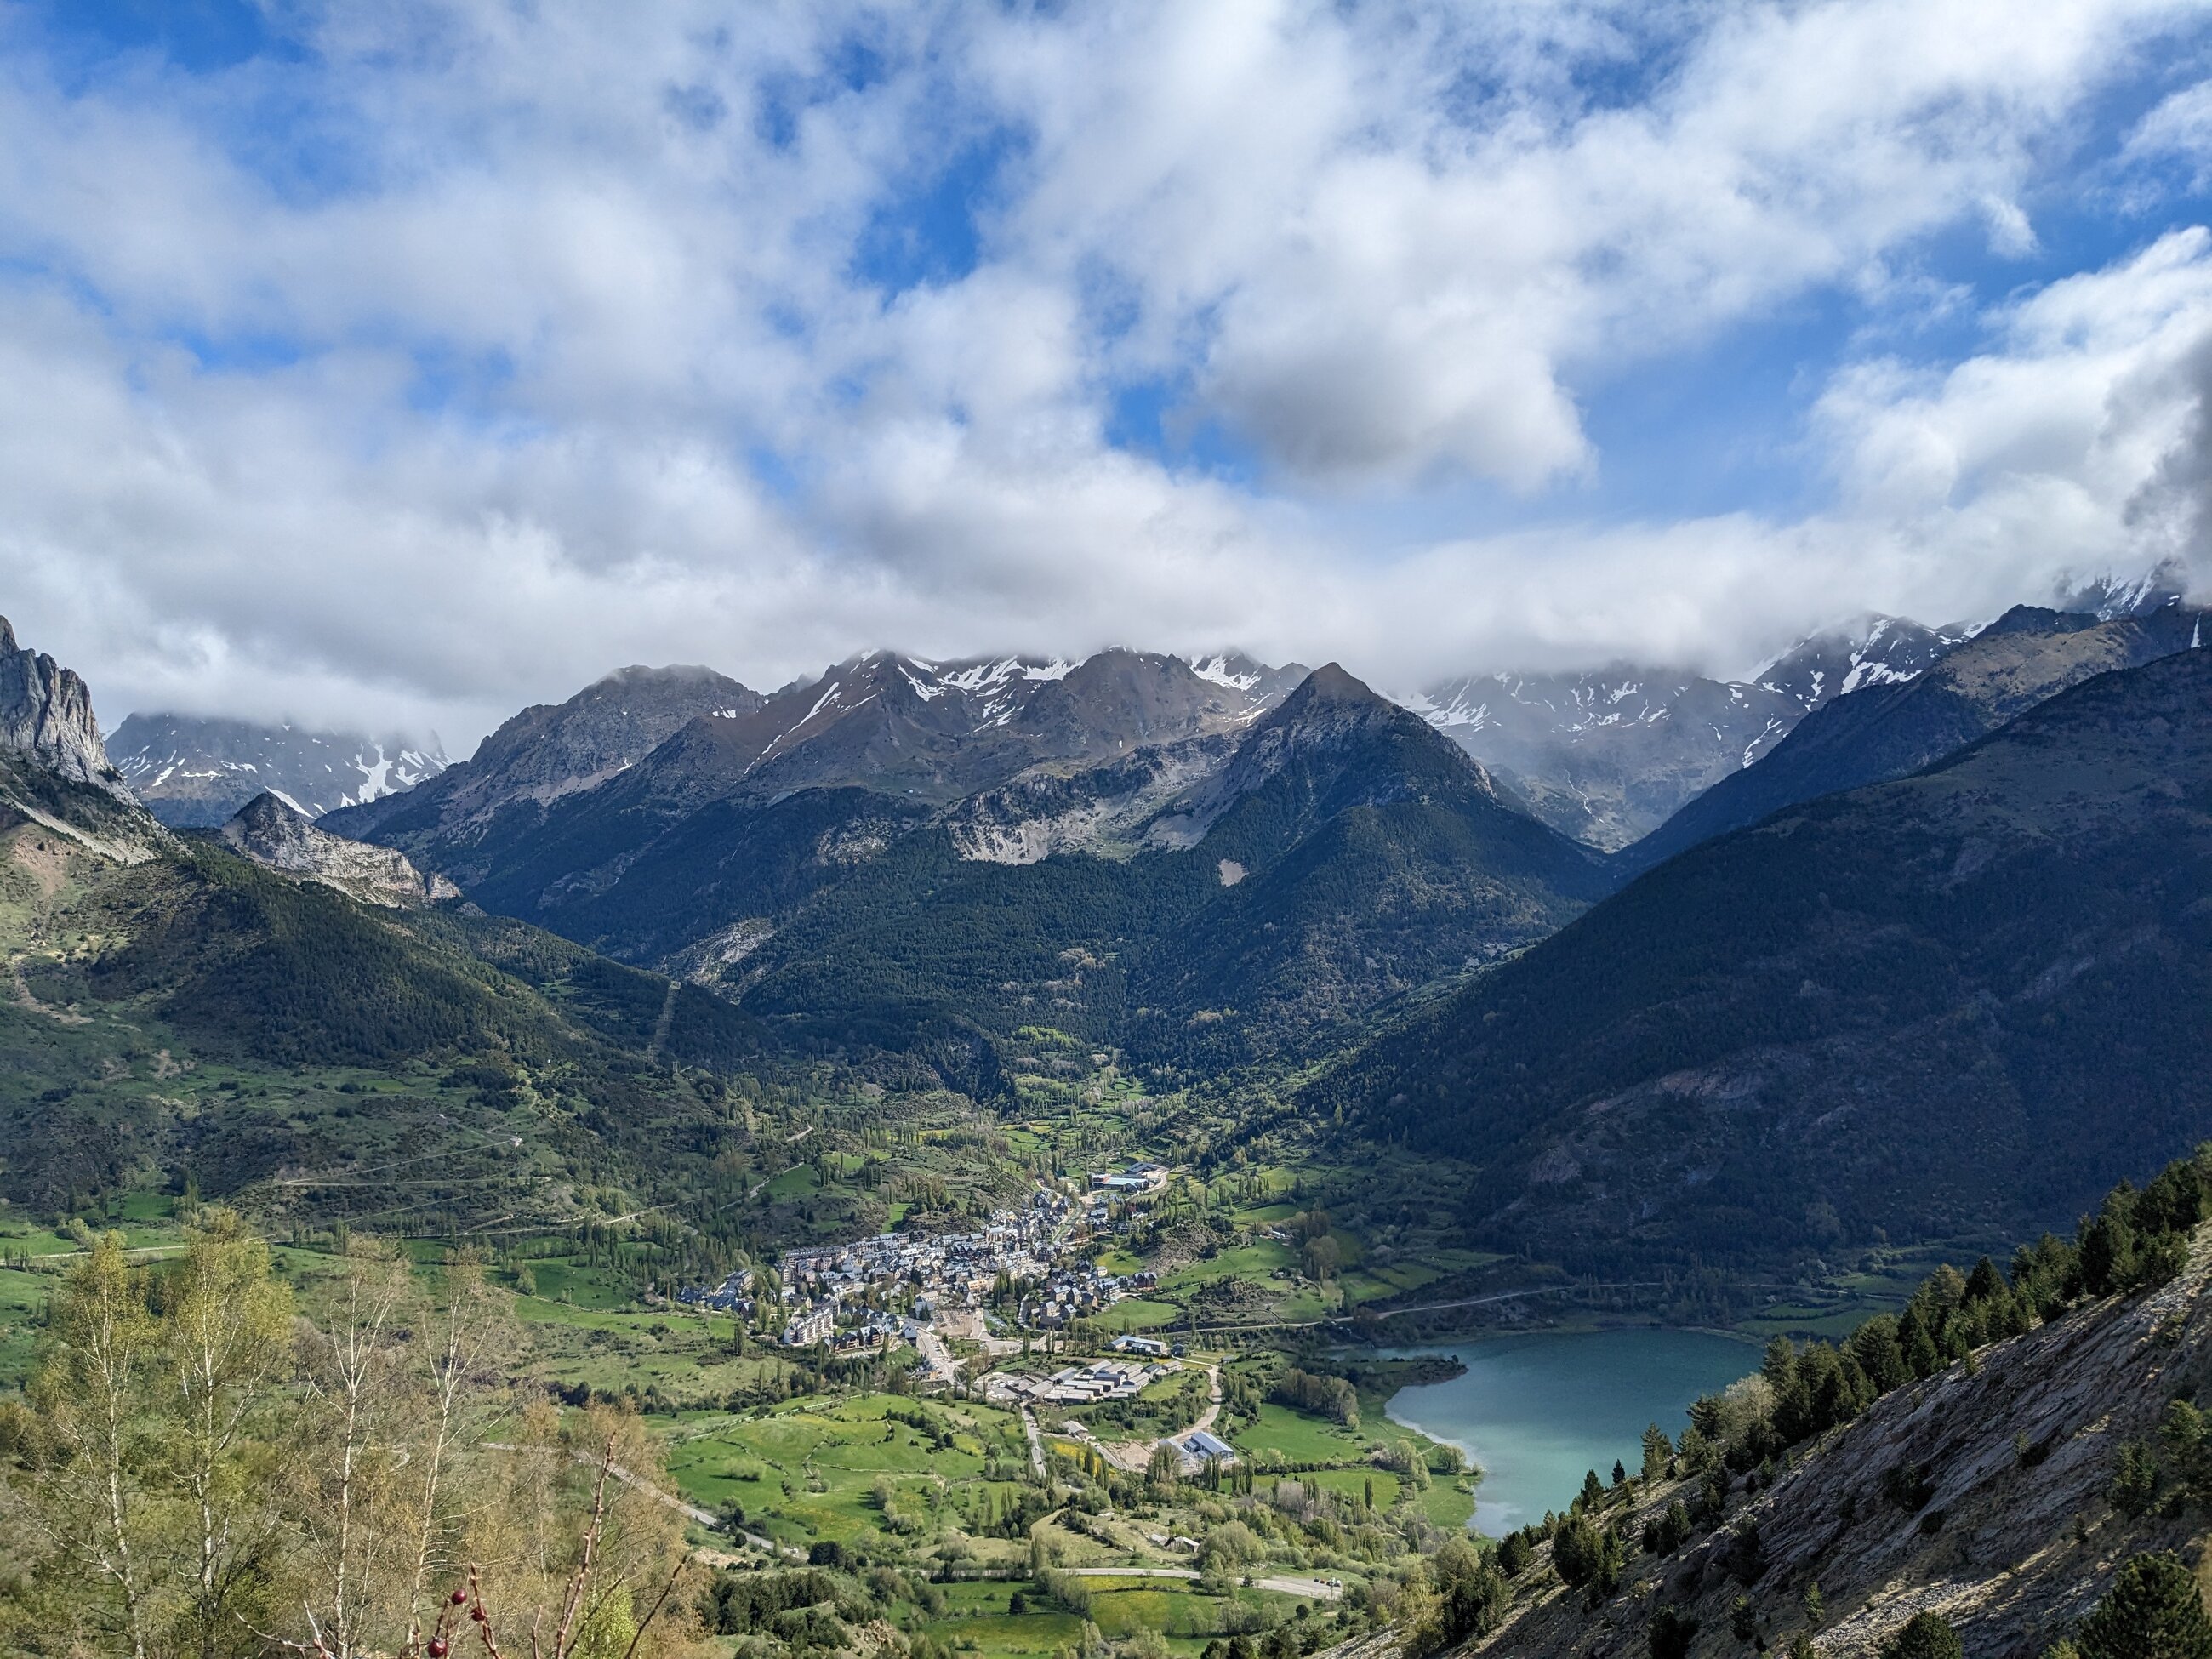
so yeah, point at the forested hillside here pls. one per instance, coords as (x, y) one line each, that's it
(1260, 884)
(182, 1014)
(1972, 999)
(1891, 730)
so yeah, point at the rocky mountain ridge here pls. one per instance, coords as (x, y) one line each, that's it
(45, 713)
(1896, 726)
(1607, 755)
(545, 752)
(1243, 863)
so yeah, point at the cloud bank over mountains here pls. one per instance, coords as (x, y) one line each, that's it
(399, 365)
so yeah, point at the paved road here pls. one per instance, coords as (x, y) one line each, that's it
(1036, 1443)
(936, 1358)
(1319, 1589)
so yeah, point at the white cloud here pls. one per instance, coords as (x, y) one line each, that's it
(2178, 129)
(489, 347)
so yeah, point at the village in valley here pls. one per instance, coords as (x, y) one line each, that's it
(1027, 1268)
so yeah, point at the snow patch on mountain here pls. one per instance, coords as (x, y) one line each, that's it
(1219, 671)
(195, 772)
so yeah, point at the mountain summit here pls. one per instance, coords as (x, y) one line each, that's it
(1607, 755)
(1895, 726)
(1999, 963)
(46, 712)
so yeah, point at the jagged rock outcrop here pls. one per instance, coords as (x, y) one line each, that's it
(1098, 809)
(2013, 1539)
(46, 712)
(273, 835)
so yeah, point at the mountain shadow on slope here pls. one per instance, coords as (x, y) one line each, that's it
(1891, 730)
(1966, 1000)
(533, 760)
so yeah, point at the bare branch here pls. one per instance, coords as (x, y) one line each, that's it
(575, 1596)
(664, 1590)
(315, 1646)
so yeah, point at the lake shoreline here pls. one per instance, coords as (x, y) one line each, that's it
(1532, 1410)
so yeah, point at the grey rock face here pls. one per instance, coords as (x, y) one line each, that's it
(2000, 1548)
(194, 774)
(276, 837)
(46, 712)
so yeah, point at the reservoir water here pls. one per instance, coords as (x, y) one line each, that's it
(1535, 1413)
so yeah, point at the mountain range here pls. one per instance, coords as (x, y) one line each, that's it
(195, 773)
(1894, 727)
(1131, 843)
(215, 1006)
(1606, 756)
(1210, 864)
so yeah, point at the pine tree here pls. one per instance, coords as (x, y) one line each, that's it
(1743, 1619)
(2152, 1611)
(1926, 1636)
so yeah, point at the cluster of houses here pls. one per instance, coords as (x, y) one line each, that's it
(1077, 1385)
(845, 1296)
(827, 1287)
(733, 1295)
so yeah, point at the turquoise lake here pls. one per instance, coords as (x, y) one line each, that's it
(1536, 1412)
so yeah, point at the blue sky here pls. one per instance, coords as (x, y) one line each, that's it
(404, 364)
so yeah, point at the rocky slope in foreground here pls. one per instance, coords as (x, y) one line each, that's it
(2017, 1538)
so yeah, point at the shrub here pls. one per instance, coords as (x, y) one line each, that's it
(1925, 1635)
(1670, 1633)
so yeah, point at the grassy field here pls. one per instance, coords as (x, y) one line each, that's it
(1139, 1314)
(977, 1619)
(823, 1469)
(1294, 1437)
